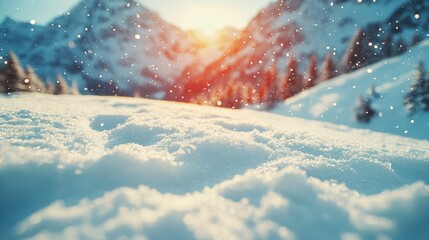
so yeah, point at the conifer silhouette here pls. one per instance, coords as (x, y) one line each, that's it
(293, 82)
(312, 74)
(364, 111)
(61, 86)
(14, 74)
(417, 98)
(329, 69)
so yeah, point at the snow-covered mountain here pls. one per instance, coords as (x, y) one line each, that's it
(335, 101)
(88, 167)
(300, 28)
(16, 35)
(107, 45)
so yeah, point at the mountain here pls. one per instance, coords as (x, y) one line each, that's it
(109, 47)
(301, 28)
(335, 101)
(17, 36)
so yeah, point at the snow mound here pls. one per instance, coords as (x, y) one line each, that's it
(118, 168)
(335, 101)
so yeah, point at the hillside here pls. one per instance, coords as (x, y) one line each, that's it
(335, 101)
(76, 167)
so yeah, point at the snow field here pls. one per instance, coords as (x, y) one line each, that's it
(117, 168)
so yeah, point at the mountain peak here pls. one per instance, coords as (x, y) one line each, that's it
(8, 21)
(107, 4)
(109, 47)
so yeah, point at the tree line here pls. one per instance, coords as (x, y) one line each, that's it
(271, 87)
(14, 78)
(416, 97)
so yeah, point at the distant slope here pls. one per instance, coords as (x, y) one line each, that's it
(300, 28)
(334, 101)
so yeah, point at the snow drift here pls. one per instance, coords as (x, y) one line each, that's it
(118, 168)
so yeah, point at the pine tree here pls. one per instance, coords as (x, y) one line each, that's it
(2, 81)
(329, 69)
(293, 82)
(61, 86)
(355, 56)
(49, 87)
(400, 47)
(74, 89)
(388, 45)
(416, 39)
(364, 111)
(262, 92)
(229, 97)
(417, 99)
(271, 84)
(247, 94)
(32, 81)
(312, 74)
(13, 73)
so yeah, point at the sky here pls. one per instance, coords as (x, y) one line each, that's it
(207, 15)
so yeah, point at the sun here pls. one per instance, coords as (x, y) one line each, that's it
(207, 17)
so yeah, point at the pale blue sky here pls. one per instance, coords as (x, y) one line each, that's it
(188, 14)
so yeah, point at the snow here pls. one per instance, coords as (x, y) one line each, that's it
(86, 167)
(334, 101)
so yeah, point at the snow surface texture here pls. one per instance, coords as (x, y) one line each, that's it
(117, 168)
(335, 101)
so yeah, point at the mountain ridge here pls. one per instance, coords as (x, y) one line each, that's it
(110, 48)
(280, 32)
(124, 48)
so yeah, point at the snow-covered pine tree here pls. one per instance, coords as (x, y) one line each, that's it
(293, 82)
(13, 73)
(417, 98)
(312, 74)
(61, 86)
(364, 111)
(74, 89)
(329, 69)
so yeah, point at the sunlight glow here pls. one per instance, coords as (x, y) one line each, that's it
(205, 16)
